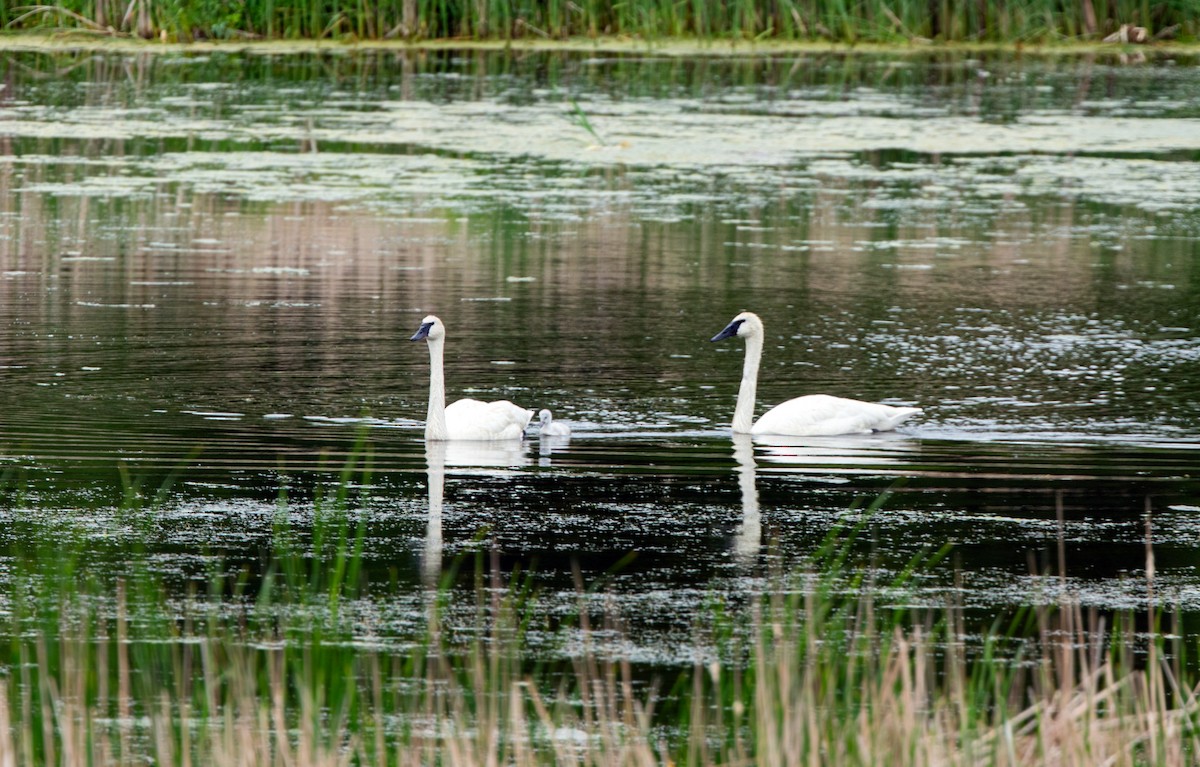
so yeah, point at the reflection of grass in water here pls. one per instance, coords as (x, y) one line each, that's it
(273, 671)
(841, 20)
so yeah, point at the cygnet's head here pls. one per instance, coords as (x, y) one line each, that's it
(745, 324)
(431, 329)
(544, 416)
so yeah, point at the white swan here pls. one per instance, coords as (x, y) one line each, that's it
(550, 427)
(811, 415)
(466, 419)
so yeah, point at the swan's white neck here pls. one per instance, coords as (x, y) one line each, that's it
(435, 418)
(743, 414)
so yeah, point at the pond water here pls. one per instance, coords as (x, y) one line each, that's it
(212, 264)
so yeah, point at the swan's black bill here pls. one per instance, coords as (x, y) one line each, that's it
(729, 332)
(423, 332)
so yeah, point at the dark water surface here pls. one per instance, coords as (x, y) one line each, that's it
(212, 266)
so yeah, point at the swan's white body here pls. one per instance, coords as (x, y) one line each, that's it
(809, 416)
(552, 428)
(465, 419)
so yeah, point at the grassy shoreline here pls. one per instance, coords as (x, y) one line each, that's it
(48, 42)
(848, 21)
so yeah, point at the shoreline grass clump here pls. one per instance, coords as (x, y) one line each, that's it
(818, 670)
(796, 20)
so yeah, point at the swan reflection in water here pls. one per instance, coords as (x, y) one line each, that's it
(549, 444)
(747, 542)
(886, 452)
(824, 458)
(481, 458)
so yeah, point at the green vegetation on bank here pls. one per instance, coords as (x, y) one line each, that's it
(847, 21)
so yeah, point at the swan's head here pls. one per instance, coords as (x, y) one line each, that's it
(745, 324)
(544, 416)
(431, 329)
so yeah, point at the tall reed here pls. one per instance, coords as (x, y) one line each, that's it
(840, 20)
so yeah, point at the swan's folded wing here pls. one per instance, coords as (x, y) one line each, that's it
(822, 415)
(473, 419)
